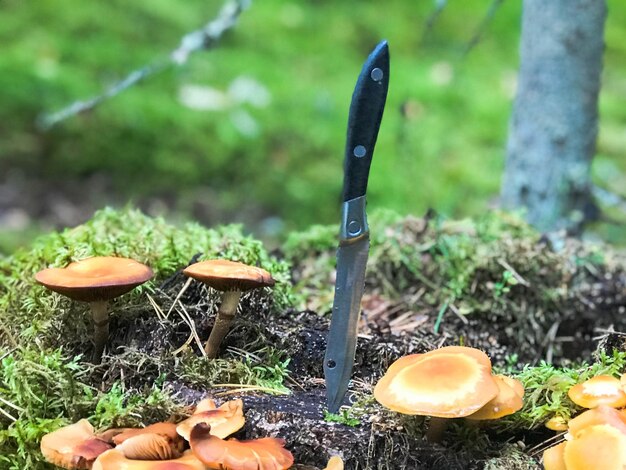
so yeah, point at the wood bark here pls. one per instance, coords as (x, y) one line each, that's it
(554, 124)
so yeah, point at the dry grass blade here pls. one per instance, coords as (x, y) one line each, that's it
(253, 388)
(550, 442)
(156, 308)
(178, 296)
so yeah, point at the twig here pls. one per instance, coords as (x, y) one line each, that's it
(609, 198)
(515, 274)
(202, 39)
(432, 18)
(479, 31)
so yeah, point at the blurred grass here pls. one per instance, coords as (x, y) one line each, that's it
(441, 142)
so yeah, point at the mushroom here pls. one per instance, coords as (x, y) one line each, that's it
(151, 446)
(449, 382)
(506, 402)
(334, 463)
(596, 439)
(267, 453)
(232, 278)
(557, 423)
(96, 281)
(73, 447)
(598, 390)
(116, 460)
(224, 421)
(553, 457)
(600, 447)
(600, 415)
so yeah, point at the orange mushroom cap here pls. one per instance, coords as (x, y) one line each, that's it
(259, 454)
(596, 447)
(116, 460)
(73, 446)
(557, 423)
(164, 429)
(334, 463)
(227, 275)
(553, 457)
(224, 421)
(596, 416)
(449, 382)
(599, 390)
(97, 278)
(205, 405)
(151, 447)
(506, 402)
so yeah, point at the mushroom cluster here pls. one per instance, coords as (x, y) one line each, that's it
(595, 438)
(450, 382)
(197, 443)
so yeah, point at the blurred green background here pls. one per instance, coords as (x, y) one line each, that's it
(254, 130)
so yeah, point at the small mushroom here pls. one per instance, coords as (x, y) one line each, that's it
(506, 402)
(73, 447)
(554, 458)
(116, 460)
(602, 414)
(598, 390)
(334, 463)
(232, 278)
(267, 453)
(449, 382)
(224, 421)
(96, 281)
(167, 430)
(596, 447)
(557, 423)
(151, 446)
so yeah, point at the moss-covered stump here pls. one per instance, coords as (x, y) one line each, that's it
(492, 284)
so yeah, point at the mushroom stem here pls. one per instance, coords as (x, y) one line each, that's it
(225, 316)
(100, 315)
(436, 428)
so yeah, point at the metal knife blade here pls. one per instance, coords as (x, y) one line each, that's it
(366, 111)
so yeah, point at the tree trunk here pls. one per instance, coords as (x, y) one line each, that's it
(554, 124)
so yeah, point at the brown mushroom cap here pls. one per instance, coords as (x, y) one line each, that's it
(449, 382)
(506, 402)
(599, 390)
(224, 421)
(227, 275)
(259, 454)
(97, 278)
(600, 447)
(116, 460)
(73, 446)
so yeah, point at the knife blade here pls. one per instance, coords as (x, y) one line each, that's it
(366, 112)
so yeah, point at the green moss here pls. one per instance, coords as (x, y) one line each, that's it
(480, 265)
(546, 389)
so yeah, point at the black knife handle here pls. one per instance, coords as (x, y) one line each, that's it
(366, 112)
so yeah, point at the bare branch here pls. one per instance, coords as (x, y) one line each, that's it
(432, 18)
(482, 27)
(202, 39)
